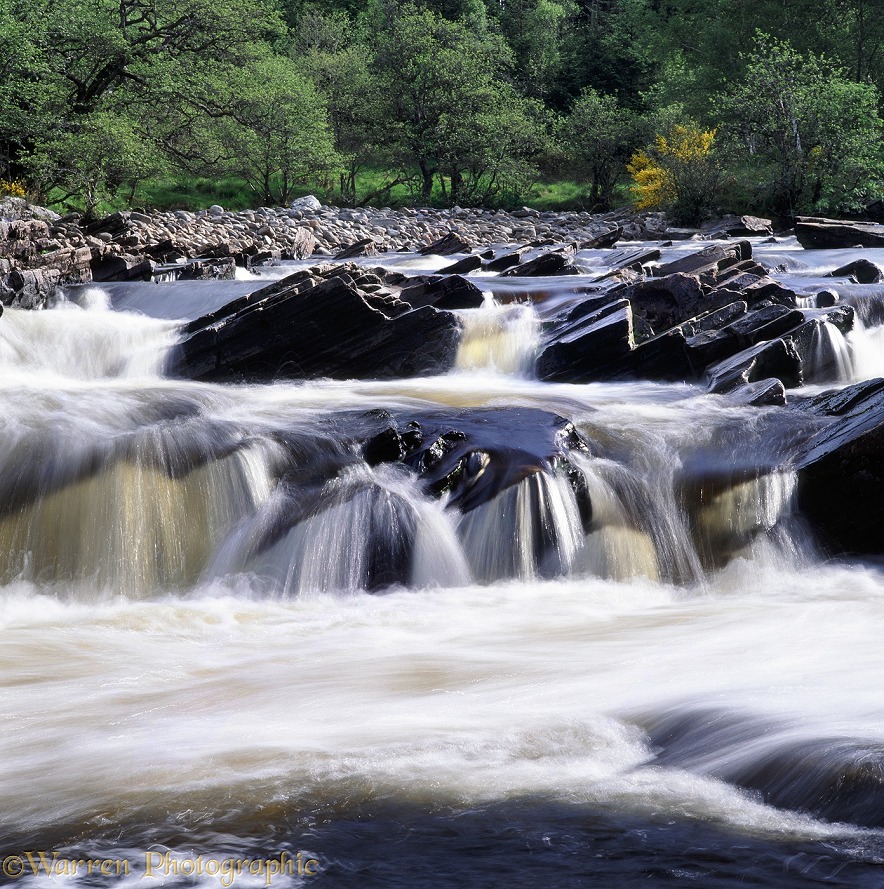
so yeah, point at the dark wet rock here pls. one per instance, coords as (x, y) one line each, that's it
(448, 292)
(662, 357)
(706, 259)
(633, 260)
(121, 268)
(555, 262)
(834, 234)
(765, 324)
(841, 469)
(469, 456)
(462, 266)
(474, 454)
(863, 271)
(587, 342)
(777, 358)
(166, 251)
(737, 226)
(708, 347)
(769, 290)
(446, 245)
(608, 237)
(365, 247)
(672, 300)
(505, 261)
(825, 299)
(208, 270)
(764, 393)
(717, 318)
(392, 445)
(327, 330)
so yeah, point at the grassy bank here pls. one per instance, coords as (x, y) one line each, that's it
(185, 192)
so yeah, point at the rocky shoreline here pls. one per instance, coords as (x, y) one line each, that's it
(40, 250)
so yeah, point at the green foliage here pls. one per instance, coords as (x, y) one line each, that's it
(679, 173)
(812, 134)
(442, 101)
(266, 124)
(93, 160)
(453, 115)
(599, 135)
(342, 69)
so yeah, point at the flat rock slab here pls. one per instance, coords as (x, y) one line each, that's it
(834, 234)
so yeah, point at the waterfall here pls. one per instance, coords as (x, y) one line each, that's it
(130, 523)
(867, 350)
(499, 338)
(831, 358)
(367, 529)
(530, 530)
(84, 343)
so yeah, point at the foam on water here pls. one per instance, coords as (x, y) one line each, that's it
(187, 649)
(83, 342)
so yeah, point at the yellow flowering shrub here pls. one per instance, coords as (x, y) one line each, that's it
(678, 173)
(686, 144)
(653, 186)
(13, 188)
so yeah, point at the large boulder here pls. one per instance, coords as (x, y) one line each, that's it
(555, 262)
(587, 343)
(443, 292)
(737, 226)
(863, 271)
(841, 469)
(307, 330)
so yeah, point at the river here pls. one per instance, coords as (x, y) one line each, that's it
(691, 696)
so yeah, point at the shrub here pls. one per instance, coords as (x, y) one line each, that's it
(679, 174)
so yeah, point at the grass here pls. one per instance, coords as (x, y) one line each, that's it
(187, 192)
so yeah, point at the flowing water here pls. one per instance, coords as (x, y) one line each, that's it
(681, 692)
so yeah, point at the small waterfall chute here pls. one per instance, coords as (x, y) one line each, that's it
(84, 343)
(830, 359)
(501, 338)
(531, 529)
(365, 529)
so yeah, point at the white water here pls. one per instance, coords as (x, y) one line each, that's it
(500, 338)
(176, 647)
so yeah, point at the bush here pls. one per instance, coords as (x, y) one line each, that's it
(679, 173)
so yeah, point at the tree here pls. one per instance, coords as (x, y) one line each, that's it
(535, 30)
(341, 66)
(599, 135)
(105, 153)
(812, 134)
(265, 124)
(449, 112)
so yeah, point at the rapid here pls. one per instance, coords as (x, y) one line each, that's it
(198, 657)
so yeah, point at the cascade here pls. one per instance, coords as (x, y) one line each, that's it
(582, 620)
(500, 338)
